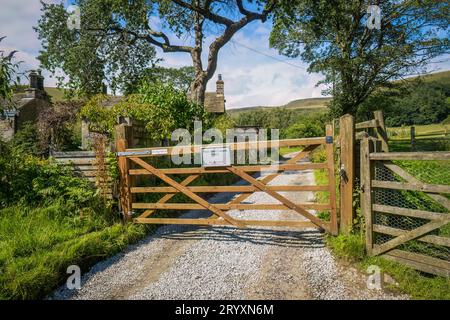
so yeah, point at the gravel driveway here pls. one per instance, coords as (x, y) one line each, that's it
(188, 262)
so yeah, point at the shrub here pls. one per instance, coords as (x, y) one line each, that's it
(59, 126)
(160, 107)
(350, 247)
(30, 180)
(223, 122)
(304, 129)
(26, 139)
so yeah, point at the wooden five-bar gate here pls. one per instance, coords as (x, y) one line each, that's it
(132, 164)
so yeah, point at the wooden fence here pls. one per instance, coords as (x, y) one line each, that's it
(406, 217)
(84, 165)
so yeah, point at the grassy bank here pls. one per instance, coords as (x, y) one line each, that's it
(414, 283)
(38, 244)
(49, 220)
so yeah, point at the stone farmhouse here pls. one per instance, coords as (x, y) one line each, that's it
(25, 106)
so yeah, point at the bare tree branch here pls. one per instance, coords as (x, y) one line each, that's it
(205, 12)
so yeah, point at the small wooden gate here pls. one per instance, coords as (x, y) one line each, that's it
(407, 218)
(136, 157)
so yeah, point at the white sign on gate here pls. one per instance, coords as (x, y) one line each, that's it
(216, 157)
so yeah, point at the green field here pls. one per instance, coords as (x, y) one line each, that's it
(433, 137)
(432, 130)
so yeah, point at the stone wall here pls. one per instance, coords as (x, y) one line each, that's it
(6, 129)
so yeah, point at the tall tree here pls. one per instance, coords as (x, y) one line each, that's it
(333, 36)
(180, 78)
(111, 25)
(89, 57)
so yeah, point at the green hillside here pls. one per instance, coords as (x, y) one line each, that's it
(306, 104)
(57, 94)
(441, 77)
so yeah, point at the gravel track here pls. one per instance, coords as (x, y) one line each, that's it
(188, 262)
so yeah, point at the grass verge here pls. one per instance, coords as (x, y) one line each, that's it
(414, 283)
(37, 245)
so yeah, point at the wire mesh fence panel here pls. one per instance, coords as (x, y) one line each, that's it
(410, 202)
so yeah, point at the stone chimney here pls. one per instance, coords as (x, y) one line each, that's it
(36, 87)
(220, 87)
(40, 82)
(34, 79)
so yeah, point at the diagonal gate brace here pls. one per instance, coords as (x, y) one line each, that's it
(261, 186)
(187, 192)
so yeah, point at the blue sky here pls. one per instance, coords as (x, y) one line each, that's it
(251, 78)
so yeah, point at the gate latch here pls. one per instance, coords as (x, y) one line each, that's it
(329, 139)
(343, 174)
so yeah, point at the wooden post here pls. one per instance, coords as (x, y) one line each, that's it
(329, 148)
(413, 138)
(381, 130)
(123, 133)
(366, 192)
(347, 175)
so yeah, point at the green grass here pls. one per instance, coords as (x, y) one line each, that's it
(430, 130)
(442, 77)
(321, 178)
(433, 137)
(38, 244)
(286, 150)
(411, 282)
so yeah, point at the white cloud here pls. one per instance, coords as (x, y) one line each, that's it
(251, 77)
(255, 74)
(17, 19)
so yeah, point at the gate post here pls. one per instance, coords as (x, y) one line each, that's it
(381, 130)
(413, 138)
(347, 171)
(329, 149)
(366, 192)
(123, 133)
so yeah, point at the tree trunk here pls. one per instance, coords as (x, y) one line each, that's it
(198, 86)
(198, 89)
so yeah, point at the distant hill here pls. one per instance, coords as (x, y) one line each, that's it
(310, 103)
(57, 94)
(442, 77)
(320, 103)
